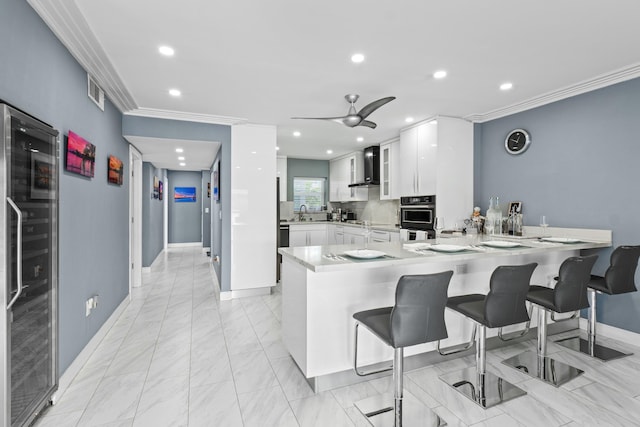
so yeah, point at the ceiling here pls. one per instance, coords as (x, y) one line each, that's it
(267, 61)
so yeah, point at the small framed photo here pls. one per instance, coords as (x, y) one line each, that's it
(515, 207)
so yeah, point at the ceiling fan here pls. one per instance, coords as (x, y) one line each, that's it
(353, 118)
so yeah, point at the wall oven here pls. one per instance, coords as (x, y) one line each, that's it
(418, 213)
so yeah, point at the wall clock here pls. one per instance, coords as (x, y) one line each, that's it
(517, 141)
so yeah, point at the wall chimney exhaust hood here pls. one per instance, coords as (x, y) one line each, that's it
(371, 167)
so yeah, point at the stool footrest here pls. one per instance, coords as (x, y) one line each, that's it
(598, 351)
(485, 390)
(379, 411)
(545, 368)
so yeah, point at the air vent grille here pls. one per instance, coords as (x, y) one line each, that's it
(95, 93)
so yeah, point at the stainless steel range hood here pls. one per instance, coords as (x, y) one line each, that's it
(371, 167)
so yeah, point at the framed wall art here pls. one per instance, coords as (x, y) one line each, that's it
(80, 156)
(184, 195)
(115, 170)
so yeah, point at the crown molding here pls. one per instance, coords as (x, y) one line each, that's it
(68, 24)
(184, 116)
(585, 86)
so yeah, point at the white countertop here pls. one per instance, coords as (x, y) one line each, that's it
(352, 224)
(315, 258)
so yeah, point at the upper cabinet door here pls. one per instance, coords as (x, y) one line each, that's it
(427, 152)
(389, 170)
(408, 159)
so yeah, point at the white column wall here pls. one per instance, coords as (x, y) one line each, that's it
(253, 207)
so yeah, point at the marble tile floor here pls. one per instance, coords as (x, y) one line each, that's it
(178, 356)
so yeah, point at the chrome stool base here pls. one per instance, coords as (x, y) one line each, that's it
(379, 412)
(486, 389)
(545, 368)
(598, 351)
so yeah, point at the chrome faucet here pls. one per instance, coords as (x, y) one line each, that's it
(300, 214)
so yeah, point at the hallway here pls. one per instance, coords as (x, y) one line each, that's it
(178, 356)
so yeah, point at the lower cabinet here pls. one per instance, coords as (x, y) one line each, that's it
(353, 236)
(308, 235)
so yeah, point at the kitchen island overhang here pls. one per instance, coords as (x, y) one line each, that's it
(320, 293)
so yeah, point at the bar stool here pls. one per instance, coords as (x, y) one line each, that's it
(504, 305)
(618, 279)
(416, 318)
(569, 294)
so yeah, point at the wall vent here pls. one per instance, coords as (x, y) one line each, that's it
(95, 93)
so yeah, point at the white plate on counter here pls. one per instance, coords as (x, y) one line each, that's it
(560, 240)
(364, 254)
(448, 248)
(500, 244)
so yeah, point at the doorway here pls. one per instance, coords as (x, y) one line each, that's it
(135, 224)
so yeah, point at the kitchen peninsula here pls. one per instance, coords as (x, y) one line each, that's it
(322, 288)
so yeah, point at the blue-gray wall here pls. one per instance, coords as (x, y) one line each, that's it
(185, 219)
(152, 215)
(581, 170)
(304, 168)
(38, 75)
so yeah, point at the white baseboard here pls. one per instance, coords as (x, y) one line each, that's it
(612, 332)
(82, 358)
(184, 245)
(243, 293)
(158, 258)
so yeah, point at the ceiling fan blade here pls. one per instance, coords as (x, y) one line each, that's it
(370, 108)
(368, 124)
(321, 118)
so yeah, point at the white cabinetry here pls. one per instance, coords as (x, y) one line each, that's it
(418, 157)
(353, 236)
(389, 170)
(344, 171)
(379, 236)
(335, 234)
(437, 158)
(307, 235)
(281, 171)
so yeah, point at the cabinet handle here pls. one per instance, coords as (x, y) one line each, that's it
(19, 253)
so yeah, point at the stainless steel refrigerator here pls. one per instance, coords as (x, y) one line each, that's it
(28, 265)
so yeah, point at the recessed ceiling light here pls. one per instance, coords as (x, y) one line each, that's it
(166, 50)
(409, 120)
(253, 152)
(183, 164)
(174, 92)
(506, 86)
(357, 58)
(181, 158)
(296, 133)
(440, 74)
(179, 150)
(277, 148)
(259, 169)
(329, 151)
(433, 122)
(360, 139)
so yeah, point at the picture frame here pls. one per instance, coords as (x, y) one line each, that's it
(42, 176)
(156, 188)
(80, 156)
(115, 170)
(515, 207)
(184, 194)
(216, 180)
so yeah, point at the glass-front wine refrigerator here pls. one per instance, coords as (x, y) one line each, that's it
(28, 265)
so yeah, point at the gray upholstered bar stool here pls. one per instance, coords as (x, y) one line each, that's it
(568, 295)
(504, 305)
(416, 318)
(618, 279)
